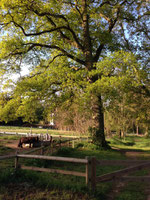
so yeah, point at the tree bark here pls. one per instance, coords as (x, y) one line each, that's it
(97, 131)
(101, 131)
(87, 39)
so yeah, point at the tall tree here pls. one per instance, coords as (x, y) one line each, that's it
(84, 31)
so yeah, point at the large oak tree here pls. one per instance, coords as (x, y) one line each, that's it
(83, 31)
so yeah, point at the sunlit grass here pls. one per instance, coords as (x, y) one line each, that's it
(131, 143)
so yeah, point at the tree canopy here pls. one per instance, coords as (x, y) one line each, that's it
(72, 41)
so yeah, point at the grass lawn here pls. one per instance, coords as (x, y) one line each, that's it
(131, 143)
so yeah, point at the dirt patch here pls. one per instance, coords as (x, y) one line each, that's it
(13, 144)
(132, 153)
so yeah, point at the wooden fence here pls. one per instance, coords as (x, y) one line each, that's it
(54, 158)
(132, 166)
(85, 161)
(91, 164)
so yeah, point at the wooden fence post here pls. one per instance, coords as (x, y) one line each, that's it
(93, 173)
(16, 161)
(42, 149)
(59, 141)
(87, 171)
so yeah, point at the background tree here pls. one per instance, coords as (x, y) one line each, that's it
(129, 105)
(84, 31)
(8, 107)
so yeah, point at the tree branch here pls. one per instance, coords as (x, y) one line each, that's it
(61, 33)
(98, 52)
(42, 14)
(39, 33)
(47, 14)
(127, 42)
(107, 2)
(59, 55)
(32, 45)
(111, 26)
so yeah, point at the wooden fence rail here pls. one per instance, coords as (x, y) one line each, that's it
(119, 173)
(64, 159)
(85, 161)
(91, 164)
(7, 157)
(120, 162)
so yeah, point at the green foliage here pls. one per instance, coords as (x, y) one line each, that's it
(31, 110)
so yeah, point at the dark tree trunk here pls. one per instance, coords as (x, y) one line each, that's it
(98, 135)
(101, 131)
(97, 107)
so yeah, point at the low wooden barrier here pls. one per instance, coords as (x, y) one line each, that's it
(133, 165)
(85, 161)
(91, 164)
(7, 157)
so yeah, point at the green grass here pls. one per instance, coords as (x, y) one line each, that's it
(5, 150)
(9, 137)
(130, 192)
(131, 143)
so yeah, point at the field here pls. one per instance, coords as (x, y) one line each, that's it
(35, 130)
(29, 185)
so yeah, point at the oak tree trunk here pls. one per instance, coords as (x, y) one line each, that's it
(97, 131)
(98, 135)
